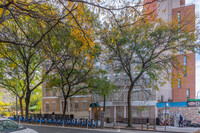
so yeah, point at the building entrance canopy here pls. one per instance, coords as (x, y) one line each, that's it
(94, 105)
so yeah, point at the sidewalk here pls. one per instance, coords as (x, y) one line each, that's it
(158, 128)
(178, 129)
(119, 127)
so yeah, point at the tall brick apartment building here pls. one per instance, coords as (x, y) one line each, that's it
(176, 10)
(143, 104)
(183, 78)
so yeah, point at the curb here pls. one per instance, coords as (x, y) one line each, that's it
(134, 129)
(77, 128)
(107, 129)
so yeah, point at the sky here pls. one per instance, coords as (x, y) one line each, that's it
(197, 10)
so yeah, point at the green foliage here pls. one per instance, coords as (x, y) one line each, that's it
(36, 99)
(147, 48)
(101, 85)
(6, 114)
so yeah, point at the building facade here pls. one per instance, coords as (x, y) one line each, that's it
(144, 101)
(182, 86)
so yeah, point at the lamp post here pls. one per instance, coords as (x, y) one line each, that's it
(90, 111)
(166, 104)
(104, 108)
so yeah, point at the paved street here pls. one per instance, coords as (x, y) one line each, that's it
(49, 129)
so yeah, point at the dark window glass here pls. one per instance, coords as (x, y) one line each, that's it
(188, 93)
(185, 72)
(54, 91)
(185, 60)
(179, 83)
(179, 16)
(76, 106)
(47, 107)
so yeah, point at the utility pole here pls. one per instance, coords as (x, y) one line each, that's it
(166, 104)
(16, 97)
(103, 113)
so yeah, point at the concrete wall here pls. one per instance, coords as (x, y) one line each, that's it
(165, 9)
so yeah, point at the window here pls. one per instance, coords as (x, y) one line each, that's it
(185, 60)
(179, 16)
(179, 83)
(54, 91)
(53, 106)
(179, 19)
(107, 67)
(97, 98)
(46, 92)
(47, 64)
(185, 72)
(116, 77)
(147, 94)
(116, 96)
(84, 105)
(147, 81)
(47, 107)
(107, 76)
(76, 106)
(188, 93)
(135, 112)
(162, 98)
(107, 113)
(181, 50)
(127, 79)
(97, 65)
(136, 96)
(47, 81)
(119, 111)
(137, 62)
(117, 65)
(137, 82)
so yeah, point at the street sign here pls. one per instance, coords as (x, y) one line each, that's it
(193, 103)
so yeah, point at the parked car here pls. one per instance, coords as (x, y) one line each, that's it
(7, 125)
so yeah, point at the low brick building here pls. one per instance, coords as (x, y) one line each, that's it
(171, 112)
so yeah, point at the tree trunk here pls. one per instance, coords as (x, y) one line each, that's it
(129, 107)
(27, 101)
(64, 107)
(21, 106)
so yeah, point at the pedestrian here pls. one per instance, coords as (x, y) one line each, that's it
(53, 115)
(158, 122)
(181, 121)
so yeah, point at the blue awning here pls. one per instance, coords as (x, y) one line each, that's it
(172, 104)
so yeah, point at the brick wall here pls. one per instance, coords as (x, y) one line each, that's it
(150, 9)
(179, 94)
(80, 101)
(188, 113)
(187, 14)
(50, 102)
(182, 2)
